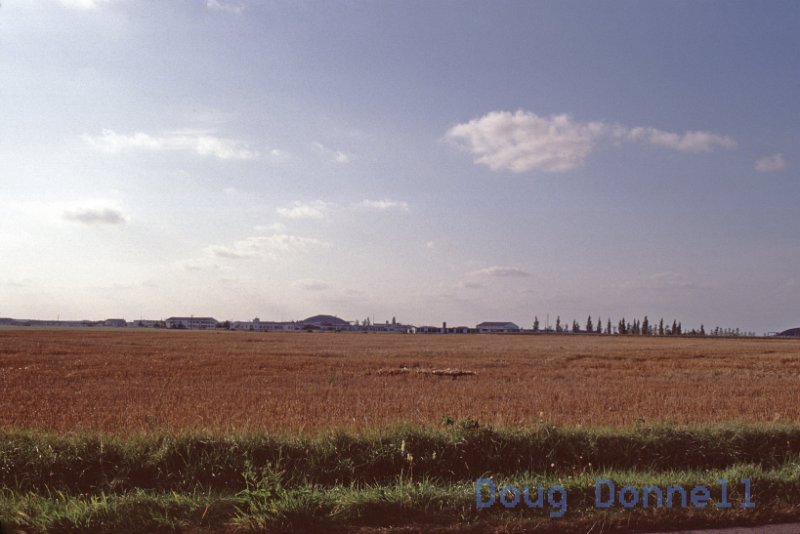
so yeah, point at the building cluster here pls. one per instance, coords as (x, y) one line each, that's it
(320, 323)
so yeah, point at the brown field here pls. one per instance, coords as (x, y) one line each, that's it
(130, 381)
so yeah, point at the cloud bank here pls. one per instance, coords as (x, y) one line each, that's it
(524, 141)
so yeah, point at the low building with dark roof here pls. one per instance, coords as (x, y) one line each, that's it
(493, 327)
(792, 332)
(324, 322)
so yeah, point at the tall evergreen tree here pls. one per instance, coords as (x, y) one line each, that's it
(661, 327)
(608, 326)
(599, 326)
(535, 324)
(645, 326)
(589, 325)
(558, 323)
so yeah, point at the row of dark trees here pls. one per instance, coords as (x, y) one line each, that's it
(623, 327)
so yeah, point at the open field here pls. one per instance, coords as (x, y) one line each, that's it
(131, 381)
(164, 431)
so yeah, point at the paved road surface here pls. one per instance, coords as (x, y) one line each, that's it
(793, 528)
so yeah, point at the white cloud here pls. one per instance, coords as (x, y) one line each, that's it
(228, 7)
(773, 163)
(523, 141)
(382, 205)
(310, 284)
(200, 142)
(502, 272)
(271, 246)
(310, 210)
(94, 216)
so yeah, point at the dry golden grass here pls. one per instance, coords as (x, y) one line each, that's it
(128, 381)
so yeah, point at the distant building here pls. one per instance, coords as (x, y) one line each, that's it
(264, 326)
(191, 323)
(115, 323)
(324, 323)
(490, 327)
(429, 330)
(391, 327)
(458, 330)
(792, 332)
(145, 323)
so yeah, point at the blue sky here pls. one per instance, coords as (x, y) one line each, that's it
(433, 161)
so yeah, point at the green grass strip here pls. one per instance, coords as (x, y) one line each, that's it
(90, 462)
(266, 505)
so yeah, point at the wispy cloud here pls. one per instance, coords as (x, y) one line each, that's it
(271, 246)
(228, 7)
(310, 284)
(331, 154)
(83, 4)
(663, 281)
(773, 163)
(686, 142)
(524, 141)
(502, 272)
(94, 216)
(319, 209)
(382, 205)
(305, 210)
(273, 227)
(200, 142)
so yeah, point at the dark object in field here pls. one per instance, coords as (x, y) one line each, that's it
(454, 373)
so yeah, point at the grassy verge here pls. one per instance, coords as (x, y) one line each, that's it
(411, 478)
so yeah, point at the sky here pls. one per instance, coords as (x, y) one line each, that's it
(430, 161)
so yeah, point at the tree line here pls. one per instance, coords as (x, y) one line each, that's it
(643, 327)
